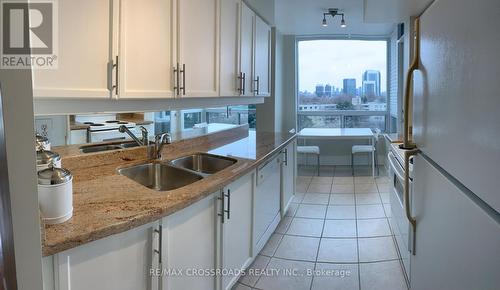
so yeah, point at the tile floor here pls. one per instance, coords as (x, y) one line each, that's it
(335, 236)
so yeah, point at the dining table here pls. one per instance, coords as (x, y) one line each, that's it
(340, 134)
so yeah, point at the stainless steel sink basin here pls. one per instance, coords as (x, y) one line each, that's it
(107, 147)
(203, 162)
(99, 148)
(160, 176)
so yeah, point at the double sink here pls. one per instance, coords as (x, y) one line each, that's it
(177, 173)
(107, 147)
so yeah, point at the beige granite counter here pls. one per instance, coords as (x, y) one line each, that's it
(106, 203)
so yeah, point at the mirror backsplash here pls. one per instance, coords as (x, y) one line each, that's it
(93, 128)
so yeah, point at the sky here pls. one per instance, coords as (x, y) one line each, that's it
(330, 61)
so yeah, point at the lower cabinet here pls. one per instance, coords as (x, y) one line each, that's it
(121, 261)
(235, 229)
(288, 174)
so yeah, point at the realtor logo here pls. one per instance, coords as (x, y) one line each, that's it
(29, 38)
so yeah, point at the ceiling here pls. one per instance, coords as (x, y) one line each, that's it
(303, 17)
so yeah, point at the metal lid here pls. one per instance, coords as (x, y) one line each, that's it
(54, 175)
(41, 139)
(46, 157)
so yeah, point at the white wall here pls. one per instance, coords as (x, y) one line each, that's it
(20, 146)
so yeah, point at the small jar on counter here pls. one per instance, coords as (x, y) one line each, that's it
(42, 142)
(55, 194)
(44, 158)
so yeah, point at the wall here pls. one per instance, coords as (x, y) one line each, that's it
(289, 104)
(20, 147)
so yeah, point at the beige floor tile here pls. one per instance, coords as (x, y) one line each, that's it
(298, 197)
(279, 280)
(342, 199)
(385, 196)
(306, 227)
(304, 179)
(365, 188)
(254, 271)
(383, 180)
(338, 251)
(335, 277)
(341, 212)
(292, 209)
(322, 179)
(387, 210)
(369, 211)
(364, 179)
(283, 225)
(376, 249)
(343, 180)
(239, 286)
(311, 211)
(368, 198)
(298, 248)
(382, 276)
(271, 245)
(301, 187)
(343, 188)
(316, 198)
(373, 228)
(383, 187)
(319, 188)
(339, 229)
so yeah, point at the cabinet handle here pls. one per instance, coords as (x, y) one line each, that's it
(285, 151)
(257, 81)
(113, 66)
(244, 82)
(159, 251)
(240, 83)
(228, 203)
(183, 71)
(221, 198)
(176, 79)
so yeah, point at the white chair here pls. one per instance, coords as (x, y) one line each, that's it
(313, 150)
(366, 149)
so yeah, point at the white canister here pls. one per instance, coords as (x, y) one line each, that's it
(44, 158)
(55, 194)
(42, 142)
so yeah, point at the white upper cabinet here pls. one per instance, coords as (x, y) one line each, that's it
(145, 53)
(261, 78)
(84, 34)
(246, 48)
(229, 83)
(198, 47)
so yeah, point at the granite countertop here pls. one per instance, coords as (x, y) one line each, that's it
(106, 203)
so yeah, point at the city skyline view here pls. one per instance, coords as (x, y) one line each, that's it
(323, 62)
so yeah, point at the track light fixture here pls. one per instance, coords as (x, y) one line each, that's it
(333, 12)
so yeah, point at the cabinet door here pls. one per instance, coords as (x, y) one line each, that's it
(236, 232)
(145, 54)
(229, 48)
(121, 261)
(188, 243)
(246, 47)
(198, 47)
(288, 176)
(261, 81)
(83, 54)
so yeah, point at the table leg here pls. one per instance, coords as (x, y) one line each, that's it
(372, 141)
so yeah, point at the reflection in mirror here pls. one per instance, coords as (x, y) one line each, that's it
(94, 128)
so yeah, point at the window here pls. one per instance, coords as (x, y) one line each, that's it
(191, 118)
(342, 83)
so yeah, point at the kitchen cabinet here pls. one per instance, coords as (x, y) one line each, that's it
(229, 84)
(236, 228)
(145, 55)
(189, 244)
(198, 47)
(288, 174)
(83, 55)
(262, 75)
(121, 261)
(267, 201)
(246, 49)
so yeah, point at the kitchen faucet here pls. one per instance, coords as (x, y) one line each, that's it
(160, 140)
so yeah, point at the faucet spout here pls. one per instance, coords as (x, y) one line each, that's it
(160, 140)
(124, 129)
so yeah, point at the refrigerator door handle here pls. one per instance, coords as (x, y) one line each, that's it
(407, 143)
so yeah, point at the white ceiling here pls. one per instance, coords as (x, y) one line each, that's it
(303, 17)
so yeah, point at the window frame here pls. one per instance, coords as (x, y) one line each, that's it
(343, 113)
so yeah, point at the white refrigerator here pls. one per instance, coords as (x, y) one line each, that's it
(456, 127)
